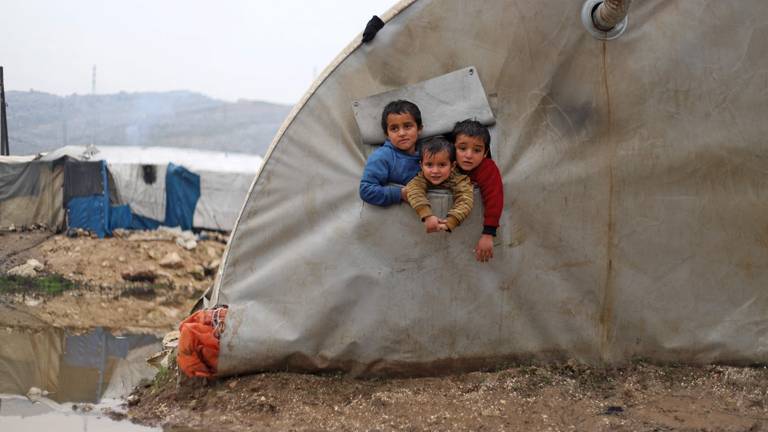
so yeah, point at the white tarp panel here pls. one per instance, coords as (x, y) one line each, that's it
(441, 100)
(636, 191)
(221, 198)
(145, 198)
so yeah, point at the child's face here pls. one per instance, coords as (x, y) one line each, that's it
(403, 132)
(470, 151)
(436, 166)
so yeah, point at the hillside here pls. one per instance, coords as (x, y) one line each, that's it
(41, 122)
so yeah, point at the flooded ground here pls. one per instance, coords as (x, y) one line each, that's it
(51, 378)
(18, 414)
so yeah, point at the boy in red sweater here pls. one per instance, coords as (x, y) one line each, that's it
(473, 156)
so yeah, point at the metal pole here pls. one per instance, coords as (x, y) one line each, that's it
(4, 149)
(610, 13)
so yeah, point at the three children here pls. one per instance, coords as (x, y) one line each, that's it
(442, 164)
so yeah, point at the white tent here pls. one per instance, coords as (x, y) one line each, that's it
(635, 185)
(224, 179)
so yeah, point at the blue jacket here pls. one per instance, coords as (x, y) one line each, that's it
(387, 165)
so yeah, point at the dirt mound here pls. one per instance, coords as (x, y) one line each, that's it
(144, 279)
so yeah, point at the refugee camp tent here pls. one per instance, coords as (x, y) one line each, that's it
(31, 192)
(170, 186)
(636, 191)
(108, 187)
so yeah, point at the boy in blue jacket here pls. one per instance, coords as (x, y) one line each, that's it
(397, 161)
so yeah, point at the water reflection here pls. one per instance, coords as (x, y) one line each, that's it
(73, 367)
(44, 370)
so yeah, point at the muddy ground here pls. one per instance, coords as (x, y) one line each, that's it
(566, 397)
(88, 276)
(637, 397)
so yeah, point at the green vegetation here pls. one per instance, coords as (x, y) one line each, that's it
(51, 285)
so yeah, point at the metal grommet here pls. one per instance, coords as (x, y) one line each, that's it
(586, 19)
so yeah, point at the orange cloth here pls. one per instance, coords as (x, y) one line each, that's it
(198, 351)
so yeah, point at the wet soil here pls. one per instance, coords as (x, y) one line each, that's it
(638, 397)
(86, 286)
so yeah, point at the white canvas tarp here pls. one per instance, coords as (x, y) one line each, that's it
(635, 186)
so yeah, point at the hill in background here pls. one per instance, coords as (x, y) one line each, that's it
(40, 122)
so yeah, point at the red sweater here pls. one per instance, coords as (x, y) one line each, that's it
(488, 179)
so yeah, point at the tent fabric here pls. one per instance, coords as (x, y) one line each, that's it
(182, 193)
(146, 197)
(221, 198)
(82, 179)
(31, 192)
(462, 87)
(91, 212)
(634, 220)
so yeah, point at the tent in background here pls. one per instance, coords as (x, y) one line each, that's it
(103, 188)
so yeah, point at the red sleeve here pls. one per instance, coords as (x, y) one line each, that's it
(488, 179)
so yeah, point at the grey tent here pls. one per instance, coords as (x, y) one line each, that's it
(636, 190)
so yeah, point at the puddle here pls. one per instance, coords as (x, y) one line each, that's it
(48, 375)
(17, 414)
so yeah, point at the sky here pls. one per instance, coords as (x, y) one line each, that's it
(230, 50)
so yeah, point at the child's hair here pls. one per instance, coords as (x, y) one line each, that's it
(473, 128)
(400, 107)
(436, 144)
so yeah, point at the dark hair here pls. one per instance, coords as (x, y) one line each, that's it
(437, 144)
(473, 128)
(400, 107)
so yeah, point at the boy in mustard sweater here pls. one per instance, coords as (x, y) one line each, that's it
(438, 170)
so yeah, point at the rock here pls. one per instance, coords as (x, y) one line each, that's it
(212, 266)
(33, 302)
(145, 275)
(153, 254)
(197, 271)
(36, 394)
(105, 263)
(172, 260)
(211, 252)
(12, 228)
(187, 244)
(171, 339)
(35, 264)
(121, 259)
(133, 400)
(24, 270)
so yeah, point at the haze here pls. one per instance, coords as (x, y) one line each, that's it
(236, 49)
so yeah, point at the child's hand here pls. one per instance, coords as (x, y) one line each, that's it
(484, 248)
(442, 227)
(432, 223)
(403, 195)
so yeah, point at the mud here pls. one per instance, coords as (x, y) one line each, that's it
(638, 397)
(96, 292)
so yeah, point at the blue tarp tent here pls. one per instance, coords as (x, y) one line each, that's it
(88, 202)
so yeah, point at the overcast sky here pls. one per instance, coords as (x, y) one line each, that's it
(257, 49)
